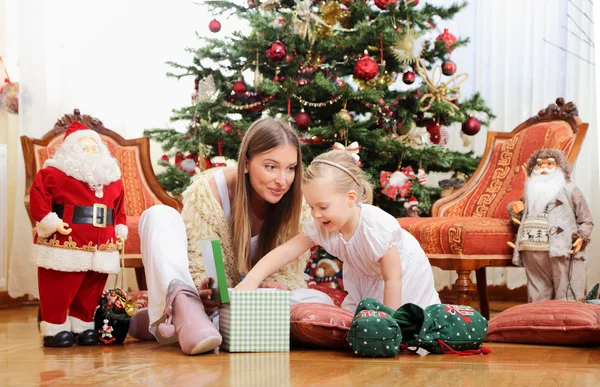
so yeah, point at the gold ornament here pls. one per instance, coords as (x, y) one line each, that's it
(332, 14)
(408, 48)
(440, 91)
(268, 5)
(343, 114)
(415, 138)
(404, 128)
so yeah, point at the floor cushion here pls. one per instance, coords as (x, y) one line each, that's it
(319, 325)
(547, 322)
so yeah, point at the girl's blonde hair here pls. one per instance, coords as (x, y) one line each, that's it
(282, 218)
(344, 174)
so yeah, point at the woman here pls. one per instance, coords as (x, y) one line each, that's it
(251, 209)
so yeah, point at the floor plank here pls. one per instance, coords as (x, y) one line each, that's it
(23, 361)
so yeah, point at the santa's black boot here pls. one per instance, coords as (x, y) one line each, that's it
(62, 339)
(87, 337)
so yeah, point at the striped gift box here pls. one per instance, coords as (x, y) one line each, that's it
(256, 321)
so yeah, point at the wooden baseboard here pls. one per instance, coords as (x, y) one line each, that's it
(497, 293)
(7, 301)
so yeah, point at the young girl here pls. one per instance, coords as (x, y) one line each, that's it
(381, 260)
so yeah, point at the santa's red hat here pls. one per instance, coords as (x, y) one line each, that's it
(75, 126)
(77, 131)
(412, 201)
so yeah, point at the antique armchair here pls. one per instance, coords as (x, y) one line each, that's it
(469, 229)
(142, 189)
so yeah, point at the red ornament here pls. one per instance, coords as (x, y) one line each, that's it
(214, 26)
(276, 51)
(165, 158)
(433, 127)
(178, 158)
(227, 127)
(471, 126)
(251, 3)
(447, 38)
(366, 68)
(448, 67)
(408, 77)
(239, 88)
(207, 163)
(302, 119)
(302, 82)
(435, 138)
(412, 3)
(382, 4)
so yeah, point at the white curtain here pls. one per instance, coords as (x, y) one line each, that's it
(105, 58)
(521, 57)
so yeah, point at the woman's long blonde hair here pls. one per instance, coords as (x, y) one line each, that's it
(283, 218)
(344, 174)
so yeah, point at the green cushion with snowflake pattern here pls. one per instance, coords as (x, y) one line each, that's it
(373, 331)
(442, 328)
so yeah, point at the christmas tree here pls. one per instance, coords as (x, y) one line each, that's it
(375, 79)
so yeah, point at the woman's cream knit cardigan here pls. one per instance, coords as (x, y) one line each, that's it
(204, 219)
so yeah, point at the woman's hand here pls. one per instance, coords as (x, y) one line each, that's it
(273, 284)
(206, 295)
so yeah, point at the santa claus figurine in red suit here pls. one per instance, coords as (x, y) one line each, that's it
(78, 202)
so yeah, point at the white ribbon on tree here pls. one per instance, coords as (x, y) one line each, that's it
(353, 149)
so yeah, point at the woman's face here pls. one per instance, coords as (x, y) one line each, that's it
(272, 172)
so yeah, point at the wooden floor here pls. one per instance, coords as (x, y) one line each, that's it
(23, 361)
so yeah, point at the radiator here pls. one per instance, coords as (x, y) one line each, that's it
(3, 216)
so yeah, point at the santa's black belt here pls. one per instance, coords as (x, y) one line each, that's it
(98, 214)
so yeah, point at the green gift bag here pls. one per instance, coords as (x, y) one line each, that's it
(373, 331)
(443, 328)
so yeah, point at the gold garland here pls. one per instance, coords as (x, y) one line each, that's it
(248, 105)
(440, 91)
(317, 104)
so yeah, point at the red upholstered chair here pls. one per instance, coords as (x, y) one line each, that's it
(142, 189)
(469, 229)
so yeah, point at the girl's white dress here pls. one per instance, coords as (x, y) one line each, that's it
(377, 232)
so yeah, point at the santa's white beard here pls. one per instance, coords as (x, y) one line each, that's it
(97, 170)
(543, 189)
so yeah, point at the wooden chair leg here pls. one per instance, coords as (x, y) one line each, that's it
(140, 276)
(463, 287)
(484, 305)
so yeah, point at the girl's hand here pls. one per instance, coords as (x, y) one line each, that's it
(246, 284)
(273, 284)
(206, 295)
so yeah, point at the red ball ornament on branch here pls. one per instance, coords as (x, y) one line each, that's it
(302, 119)
(382, 4)
(409, 77)
(447, 38)
(214, 26)
(239, 88)
(276, 51)
(165, 158)
(227, 127)
(448, 67)
(471, 126)
(433, 127)
(366, 68)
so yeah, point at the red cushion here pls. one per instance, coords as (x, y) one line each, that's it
(132, 246)
(460, 237)
(547, 322)
(319, 325)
